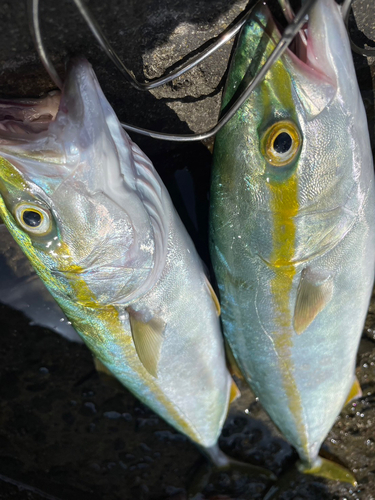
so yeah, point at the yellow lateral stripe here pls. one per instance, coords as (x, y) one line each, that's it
(284, 204)
(12, 176)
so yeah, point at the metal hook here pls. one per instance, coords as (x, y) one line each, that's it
(34, 24)
(289, 16)
(289, 33)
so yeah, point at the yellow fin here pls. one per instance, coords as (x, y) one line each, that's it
(314, 293)
(231, 362)
(101, 368)
(329, 470)
(106, 375)
(214, 297)
(235, 393)
(354, 393)
(148, 338)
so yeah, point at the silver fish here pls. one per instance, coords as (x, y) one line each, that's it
(293, 227)
(95, 220)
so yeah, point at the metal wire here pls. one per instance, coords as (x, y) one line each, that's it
(33, 12)
(289, 16)
(34, 22)
(108, 49)
(345, 7)
(289, 33)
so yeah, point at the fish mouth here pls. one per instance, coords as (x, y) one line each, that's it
(313, 50)
(47, 139)
(318, 60)
(34, 120)
(23, 119)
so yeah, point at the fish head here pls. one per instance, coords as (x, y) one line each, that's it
(83, 202)
(300, 134)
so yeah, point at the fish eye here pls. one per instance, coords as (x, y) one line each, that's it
(281, 143)
(33, 218)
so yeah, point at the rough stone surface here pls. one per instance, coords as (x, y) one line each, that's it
(64, 432)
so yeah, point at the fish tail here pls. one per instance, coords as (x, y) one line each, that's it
(329, 470)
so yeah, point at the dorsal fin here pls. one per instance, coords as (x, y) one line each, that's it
(235, 393)
(148, 338)
(101, 368)
(106, 375)
(214, 296)
(231, 362)
(354, 393)
(314, 292)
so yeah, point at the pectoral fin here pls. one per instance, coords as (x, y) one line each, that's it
(148, 338)
(314, 292)
(355, 392)
(214, 297)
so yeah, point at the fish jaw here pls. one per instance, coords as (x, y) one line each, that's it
(21, 118)
(324, 68)
(273, 226)
(329, 51)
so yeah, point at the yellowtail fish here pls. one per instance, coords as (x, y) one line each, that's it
(96, 222)
(293, 227)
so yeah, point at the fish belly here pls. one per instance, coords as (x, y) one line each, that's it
(302, 380)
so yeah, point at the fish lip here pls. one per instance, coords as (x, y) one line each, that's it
(316, 34)
(29, 119)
